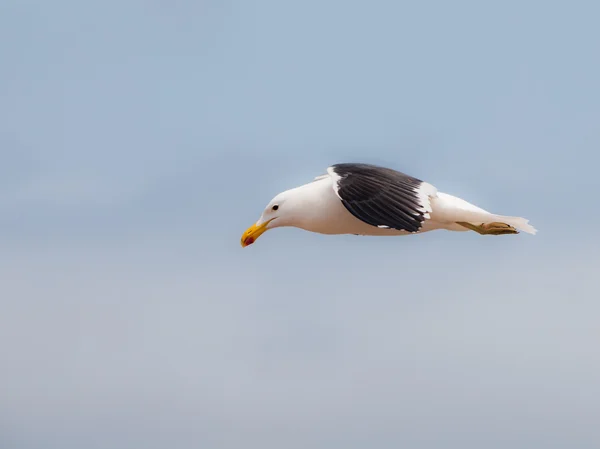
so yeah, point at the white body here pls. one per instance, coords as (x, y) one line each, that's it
(316, 207)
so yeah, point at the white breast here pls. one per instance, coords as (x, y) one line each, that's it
(325, 213)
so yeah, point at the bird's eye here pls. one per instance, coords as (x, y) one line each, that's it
(275, 207)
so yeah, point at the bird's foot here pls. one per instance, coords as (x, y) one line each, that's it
(495, 228)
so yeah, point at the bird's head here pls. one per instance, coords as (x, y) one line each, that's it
(281, 211)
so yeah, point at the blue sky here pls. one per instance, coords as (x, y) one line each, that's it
(138, 141)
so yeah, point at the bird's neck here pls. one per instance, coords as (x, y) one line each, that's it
(314, 206)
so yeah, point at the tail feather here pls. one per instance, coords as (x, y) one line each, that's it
(451, 209)
(522, 224)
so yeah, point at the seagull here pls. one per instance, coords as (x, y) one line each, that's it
(365, 199)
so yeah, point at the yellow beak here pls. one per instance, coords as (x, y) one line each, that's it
(253, 232)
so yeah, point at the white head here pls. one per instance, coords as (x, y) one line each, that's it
(286, 209)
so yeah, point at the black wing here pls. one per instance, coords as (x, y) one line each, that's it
(383, 197)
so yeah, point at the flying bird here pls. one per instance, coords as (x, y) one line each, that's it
(364, 199)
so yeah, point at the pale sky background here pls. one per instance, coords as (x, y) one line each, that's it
(138, 141)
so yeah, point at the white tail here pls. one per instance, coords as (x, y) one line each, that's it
(522, 224)
(449, 208)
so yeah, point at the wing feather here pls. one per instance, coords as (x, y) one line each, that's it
(382, 197)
